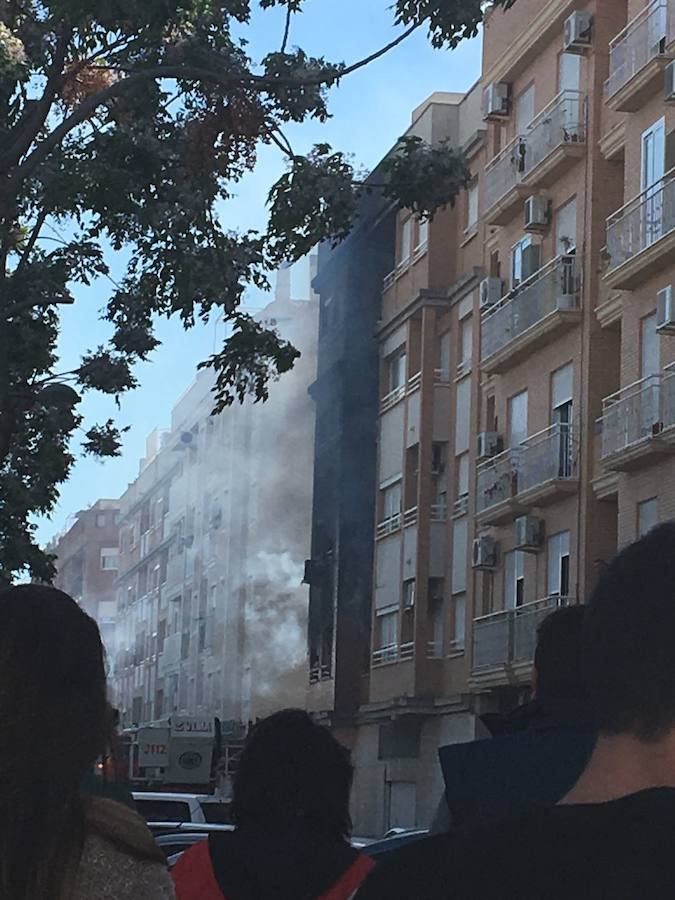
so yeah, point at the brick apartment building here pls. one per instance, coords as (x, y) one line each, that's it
(527, 400)
(212, 614)
(87, 561)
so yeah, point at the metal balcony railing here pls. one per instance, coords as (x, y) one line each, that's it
(642, 221)
(505, 171)
(553, 287)
(641, 41)
(439, 512)
(497, 479)
(414, 382)
(389, 525)
(548, 456)
(509, 637)
(392, 398)
(639, 411)
(434, 650)
(410, 517)
(562, 122)
(392, 653)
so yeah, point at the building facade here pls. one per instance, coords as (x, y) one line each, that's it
(87, 561)
(214, 531)
(526, 419)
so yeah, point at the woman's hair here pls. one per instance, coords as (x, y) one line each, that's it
(293, 772)
(55, 721)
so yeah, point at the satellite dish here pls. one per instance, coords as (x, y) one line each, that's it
(186, 437)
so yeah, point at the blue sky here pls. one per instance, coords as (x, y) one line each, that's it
(370, 108)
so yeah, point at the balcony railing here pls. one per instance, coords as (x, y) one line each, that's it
(550, 455)
(641, 41)
(434, 650)
(497, 479)
(509, 637)
(389, 280)
(505, 171)
(389, 525)
(392, 653)
(439, 512)
(553, 287)
(641, 222)
(638, 412)
(414, 382)
(560, 123)
(410, 517)
(392, 398)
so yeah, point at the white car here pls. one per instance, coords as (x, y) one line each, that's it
(164, 807)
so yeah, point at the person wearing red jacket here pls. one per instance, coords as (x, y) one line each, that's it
(291, 814)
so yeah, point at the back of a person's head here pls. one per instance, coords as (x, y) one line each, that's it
(54, 725)
(629, 639)
(558, 656)
(293, 772)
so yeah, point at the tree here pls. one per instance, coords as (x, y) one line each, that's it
(122, 125)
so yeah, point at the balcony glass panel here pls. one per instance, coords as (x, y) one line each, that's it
(631, 415)
(554, 287)
(548, 456)
(636, 46)
(497, 480)
(642, 222)
(505, 171)
(563, 121)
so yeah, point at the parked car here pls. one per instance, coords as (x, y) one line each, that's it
(174, 839)
(165, 807)
(395, 842)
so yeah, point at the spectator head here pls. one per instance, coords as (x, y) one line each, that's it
(293, 772)
(55, 723)
(558, 665)
(629, 639)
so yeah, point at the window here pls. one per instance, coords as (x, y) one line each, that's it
(472, 206)
(458, 621)
(444, 354)
(386, 628)
(559, 564)
(462, 475)
(561, 415)
(647, 516)
(462, 416)
(517, 419)
(514, 579)
(569, 72)
(649, 346)
(524, 260)
(524, 107)
(109, 559)
(460, 540)
(566, 228)
(406, 240)
(409, 593)
(391, 500)
(466, 342)
(397, 373)
(422, 233)
(100, 520)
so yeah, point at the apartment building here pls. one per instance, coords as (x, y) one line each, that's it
(87, 560)
(212, 612)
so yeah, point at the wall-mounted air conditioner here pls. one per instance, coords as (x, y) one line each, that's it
(490, 291)
(665, 311)
(496, 101)
(485, 552)
(578, 28)
(529, 533)
(537, 213)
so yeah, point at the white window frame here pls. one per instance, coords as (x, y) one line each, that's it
(558, 547)
(647, 515)
(472, 206)
(517, 258)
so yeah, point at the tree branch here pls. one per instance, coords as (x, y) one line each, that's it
(378, 53)
(40, 221)
(287, 30)
(36, 118)
(281, 142)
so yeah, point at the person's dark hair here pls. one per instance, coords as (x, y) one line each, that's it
(54, 719)
(293, 772)
(629, 639)
(558, 659)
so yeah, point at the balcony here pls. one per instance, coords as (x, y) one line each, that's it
(637, 57)
(496, 488)
(553, 142)
(544, 305)
(506, 640)
(392, 653)
(392, 398)
(548, 466)
(641, 236)
(638, 423)
(387, 526)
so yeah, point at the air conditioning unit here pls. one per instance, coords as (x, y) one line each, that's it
(490, 291)
(496, 101)
(669, 82)
(537, 213)
(484, 553)
(578, 32)
(529, 533)
(489, 444)
(665, 311)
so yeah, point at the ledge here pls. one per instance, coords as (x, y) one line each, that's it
(504, 210)
(549, 492)
(645, 83)
(606, 486)
(610, 312)
(612, 144)
(639, 268)
(553, 166)
(504, 674)
(501, 513)
(639, 455)
(556, 322)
